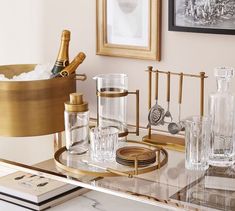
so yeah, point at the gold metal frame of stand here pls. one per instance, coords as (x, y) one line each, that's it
(171, 142)
(114, 93)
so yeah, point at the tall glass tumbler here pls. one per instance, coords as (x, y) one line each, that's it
(197, 141)
(112, 91)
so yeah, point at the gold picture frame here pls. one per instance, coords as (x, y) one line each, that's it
(151, 37)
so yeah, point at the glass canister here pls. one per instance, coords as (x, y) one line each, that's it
(76, 124)
(221, 111)
(112, 91)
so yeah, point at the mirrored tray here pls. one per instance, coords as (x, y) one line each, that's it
(83, 165)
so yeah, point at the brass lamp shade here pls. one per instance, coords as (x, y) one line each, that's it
(32, 108)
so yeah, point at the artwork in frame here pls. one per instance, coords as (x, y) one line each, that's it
(203, 16)
(129, 28)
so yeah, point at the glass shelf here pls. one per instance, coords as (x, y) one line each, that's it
(171, 187)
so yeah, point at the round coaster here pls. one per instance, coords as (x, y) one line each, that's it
(127, 155)
(132, 163)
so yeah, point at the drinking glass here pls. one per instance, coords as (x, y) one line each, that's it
(103, 143)
(197, 141)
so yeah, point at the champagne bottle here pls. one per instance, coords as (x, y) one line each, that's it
(63, 56)
(71, 68)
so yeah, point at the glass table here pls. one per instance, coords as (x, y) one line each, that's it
(172, 186)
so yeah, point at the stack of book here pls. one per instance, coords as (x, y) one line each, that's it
(36, 192)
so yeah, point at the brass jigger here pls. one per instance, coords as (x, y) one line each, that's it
(173, 127)
(156, 113)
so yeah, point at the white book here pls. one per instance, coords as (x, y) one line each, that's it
(32, 187)
(47, 203)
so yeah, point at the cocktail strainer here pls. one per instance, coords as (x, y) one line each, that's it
(156, 113)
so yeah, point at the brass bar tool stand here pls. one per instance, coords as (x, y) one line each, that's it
(169, 141)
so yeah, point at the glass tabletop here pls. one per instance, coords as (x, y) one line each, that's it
(171, 186)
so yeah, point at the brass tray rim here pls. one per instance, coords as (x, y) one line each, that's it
(77, 171)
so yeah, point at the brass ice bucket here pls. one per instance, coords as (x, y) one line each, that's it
(32, 108)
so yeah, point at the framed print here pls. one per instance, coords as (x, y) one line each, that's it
(204, 16)
(129, 28)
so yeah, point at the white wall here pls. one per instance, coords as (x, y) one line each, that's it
(188, 52)
(30, 32)
(21, 30)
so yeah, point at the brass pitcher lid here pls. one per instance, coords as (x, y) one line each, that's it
(76, 103)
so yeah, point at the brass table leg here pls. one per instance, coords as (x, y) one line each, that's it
(57, 141)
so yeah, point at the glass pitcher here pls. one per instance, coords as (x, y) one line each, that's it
(112, 91)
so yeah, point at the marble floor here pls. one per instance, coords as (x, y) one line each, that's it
(92, 201)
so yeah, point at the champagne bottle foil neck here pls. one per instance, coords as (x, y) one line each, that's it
(81, 56)
(65, 35)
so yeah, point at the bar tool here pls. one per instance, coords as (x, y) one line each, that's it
(156, 113)
(168, 113)
(174, 127)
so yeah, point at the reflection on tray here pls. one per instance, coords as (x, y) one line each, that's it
(197, 194)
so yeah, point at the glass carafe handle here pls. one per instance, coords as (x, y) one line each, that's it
(137, 93)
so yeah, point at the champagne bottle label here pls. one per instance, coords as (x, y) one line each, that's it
(63, 56)
(71, 68)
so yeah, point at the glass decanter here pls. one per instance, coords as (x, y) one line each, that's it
(221, 111)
